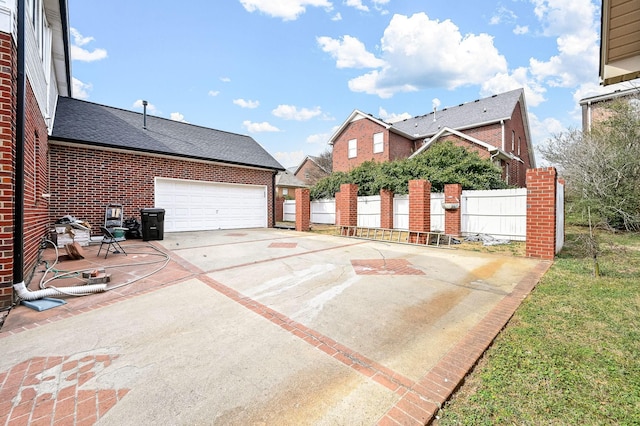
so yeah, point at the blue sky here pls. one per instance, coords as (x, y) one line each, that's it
(289, 72)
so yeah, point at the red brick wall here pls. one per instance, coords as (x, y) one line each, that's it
(491, 134)
(7, 152)
(386, 209)
(515, 128)
(35, 173)
(347, 205)
(465, 143)
(363, 130)
(453, 217)
(312, 170)
(85, 180)
(541, 213)
(419, 208)
(279, 209)
(303, 210)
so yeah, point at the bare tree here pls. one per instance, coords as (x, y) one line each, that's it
(602, 167)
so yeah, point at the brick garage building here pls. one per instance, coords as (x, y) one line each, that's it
(204, 178)
(496, 127)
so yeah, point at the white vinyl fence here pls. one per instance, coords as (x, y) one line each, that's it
(559, 217)
(499, 213)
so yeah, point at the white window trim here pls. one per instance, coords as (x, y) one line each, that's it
(378, 146)
(352, 150)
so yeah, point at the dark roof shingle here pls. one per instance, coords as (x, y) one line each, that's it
(470, 114)
(94, 124)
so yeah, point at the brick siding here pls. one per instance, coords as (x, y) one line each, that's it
(303, 210)
(541, 213)
(36, 177)
(85, 180)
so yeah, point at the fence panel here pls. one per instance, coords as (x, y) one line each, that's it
(499, 213)
(437, 212)
(323, 211)
(559, 217)
(289, 211)
(369, 211)
(401, 212)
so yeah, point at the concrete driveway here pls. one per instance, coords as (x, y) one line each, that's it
(262, 327)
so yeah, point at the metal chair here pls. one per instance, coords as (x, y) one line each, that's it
(111, 242)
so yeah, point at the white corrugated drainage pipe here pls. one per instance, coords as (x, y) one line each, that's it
(25, 294)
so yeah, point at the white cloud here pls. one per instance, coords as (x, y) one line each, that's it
(259, 127)
(287, 10)
(321, 139)
(392, 118)
(80, 54)
(150, 107)
(291, 112)
(349, 52)
(176, 116)
(337, 17)
(214, 92)
(78, 39)
(357, 4)
(575, 24)
(246, 103)
(80, 90)
(521, 29)
(543, 130)
(290, 159)
(503, 16)
(503, 82)
(225, 79)
(419, 52)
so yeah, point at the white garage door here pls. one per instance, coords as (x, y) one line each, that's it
(200, 206)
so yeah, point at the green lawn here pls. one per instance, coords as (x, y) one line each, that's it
(571, 353)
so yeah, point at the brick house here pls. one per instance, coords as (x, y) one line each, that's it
(596, 108)
(65, 156)
(286, 185)
(311, 170)
(496, 127)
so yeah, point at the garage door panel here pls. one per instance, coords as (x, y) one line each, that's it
(195, 205)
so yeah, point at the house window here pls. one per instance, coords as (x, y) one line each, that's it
(378, 143)
(519, 143)
(353, 148)
(307, 175)
(513, 140)
(285, 191)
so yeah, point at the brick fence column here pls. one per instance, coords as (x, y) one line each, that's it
(303, 210)
(452, 216)
(279, 209)
(541, 213)
(419, 208)
(386, 209)
(347, 205)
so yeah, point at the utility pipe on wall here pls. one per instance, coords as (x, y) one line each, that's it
(18, 202)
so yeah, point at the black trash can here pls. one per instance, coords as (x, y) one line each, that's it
(152, 224)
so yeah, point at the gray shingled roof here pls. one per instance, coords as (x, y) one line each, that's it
(286, 178)
(88, 123)
(470, 114)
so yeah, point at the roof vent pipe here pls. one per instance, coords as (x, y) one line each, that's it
(144, 114)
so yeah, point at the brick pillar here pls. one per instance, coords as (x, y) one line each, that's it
(303, 210)
(541, 213)
(279, 209)
(347, 205)
(419, 208)
(386, 209)
(452, 216)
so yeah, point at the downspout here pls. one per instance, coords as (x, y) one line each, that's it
(589, 116)
(273, 198)
(18, 216)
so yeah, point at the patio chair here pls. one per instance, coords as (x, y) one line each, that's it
(111, 242)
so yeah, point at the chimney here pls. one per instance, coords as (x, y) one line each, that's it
(144, 114)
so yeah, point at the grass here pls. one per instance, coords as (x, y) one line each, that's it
(571, 353)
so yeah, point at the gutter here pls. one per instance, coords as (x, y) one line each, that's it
(64, 18)
(18, 213)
